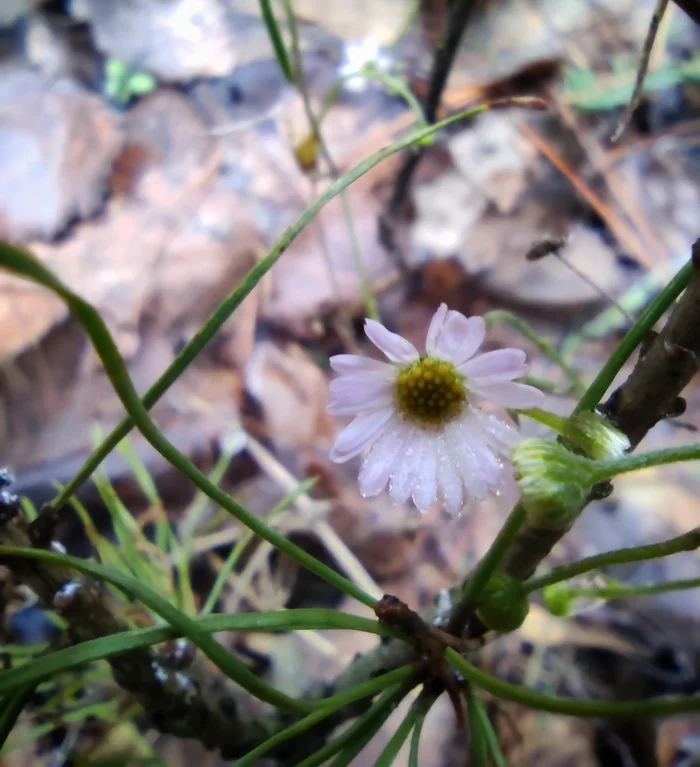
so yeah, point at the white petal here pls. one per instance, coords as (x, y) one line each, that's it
(435, 328)
(381, 459)
(500, 435)
(449, 481)
(424, 491)
(352, 394)
(360, 434)
(500, 365)
(509, 394)
(352, 364)
(459, 337)
(396, 348)
(379, 402)
(401, 481)
(355, 386)
(466, 463)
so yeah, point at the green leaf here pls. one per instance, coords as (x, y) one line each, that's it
(488, 733)
(140, 83)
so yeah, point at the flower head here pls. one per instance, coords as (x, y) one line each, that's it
(418, 415)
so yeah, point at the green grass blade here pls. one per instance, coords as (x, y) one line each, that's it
(277, 42)
(52, 663)
(242, 544)
(329, 706)
(139, 470)
(372, 720)
(494, 746)
(392, 748)
(479, 744)
(24, 265)
(378, 711)
(11, 707)
(227, 663)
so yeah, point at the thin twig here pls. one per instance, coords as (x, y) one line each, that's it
(460, 14)
(302, 85)
(659, 11)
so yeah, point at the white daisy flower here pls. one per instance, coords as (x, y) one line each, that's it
(417, 414)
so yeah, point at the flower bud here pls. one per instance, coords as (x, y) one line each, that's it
(557, 599)
(594, 436)
(553, 482)
(503, 604)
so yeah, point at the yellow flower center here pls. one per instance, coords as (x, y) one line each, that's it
(429, 392)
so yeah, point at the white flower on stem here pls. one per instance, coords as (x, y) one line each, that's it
(417, 415)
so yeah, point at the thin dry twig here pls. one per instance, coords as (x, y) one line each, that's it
(659, 11)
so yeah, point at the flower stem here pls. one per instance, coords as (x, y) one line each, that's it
(486, 568)
(625, 590)
(686, 542)
(633, 337)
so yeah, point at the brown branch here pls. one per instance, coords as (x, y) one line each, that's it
(650, 394)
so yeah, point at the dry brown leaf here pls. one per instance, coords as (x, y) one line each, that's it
(293, 393)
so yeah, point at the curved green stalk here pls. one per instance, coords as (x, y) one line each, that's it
(52, 663)
(633, 338)
(245, 287)
(183, 624)
(627, 590)
(327, 707)
(686, 542)
(586, 709)
(24, 265)
(635, 461)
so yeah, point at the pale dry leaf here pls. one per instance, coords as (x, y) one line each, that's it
(176, 40)
(57, 145)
